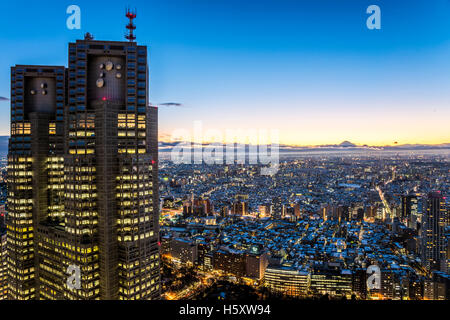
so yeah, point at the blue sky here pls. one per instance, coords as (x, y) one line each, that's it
(310, 69)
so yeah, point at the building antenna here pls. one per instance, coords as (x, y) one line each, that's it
(130, 26)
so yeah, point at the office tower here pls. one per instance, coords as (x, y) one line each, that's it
(3, 269)
(35, 159)
(359, 282)
(2, 218)
(264, 210)
(433, 231)
(183, 250)
(224, 211)
(438, 286)
(332, 282)
(239, 207)
(344, 213)
(199, 207)
(297, 210)
(256, 262)
(277, 208)
(286, 281)
(445, 264)
(83, 188)
(409, 210)
(415, 289)
(230, 261)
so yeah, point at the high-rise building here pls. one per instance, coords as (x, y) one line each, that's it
(239, 207)
(35, 169)
(183, 250)
(359, 282)
(2, 217)
(82, 177)
(230, 261)
(277, 208)
(199, 207)
(433, 231)
(256, 263)
(409, 215)
(3, 269)
(438, 286)
(264, 210)
(445, 264)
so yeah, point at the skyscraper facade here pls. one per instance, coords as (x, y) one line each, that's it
(83, 206)
(3, 269)
(433, 231)
(409, 214)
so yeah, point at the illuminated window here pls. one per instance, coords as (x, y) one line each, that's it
(52, 128)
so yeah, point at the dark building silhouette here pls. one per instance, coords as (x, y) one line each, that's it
(438, 286)
(239, 208)
(409, 214)
(3, 269)
(433, 231)
(83, 176)
(255, 264)
(198, 207)
(230, 261)
(359, 282)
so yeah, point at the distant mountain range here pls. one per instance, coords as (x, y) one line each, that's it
(346, 145)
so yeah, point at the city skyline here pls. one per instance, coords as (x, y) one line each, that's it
(138, 167)
(312, 71)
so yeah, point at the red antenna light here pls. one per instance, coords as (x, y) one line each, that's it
(130, 26)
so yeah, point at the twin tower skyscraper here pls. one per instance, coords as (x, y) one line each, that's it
(83, 212)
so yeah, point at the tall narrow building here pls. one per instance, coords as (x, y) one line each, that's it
(35, 169)
(409, 215)
(3, 269)
(83, 217)
(433, 231)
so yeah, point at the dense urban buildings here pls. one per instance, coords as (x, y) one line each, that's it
(83, 177)
(332, 218)
(314, 228)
